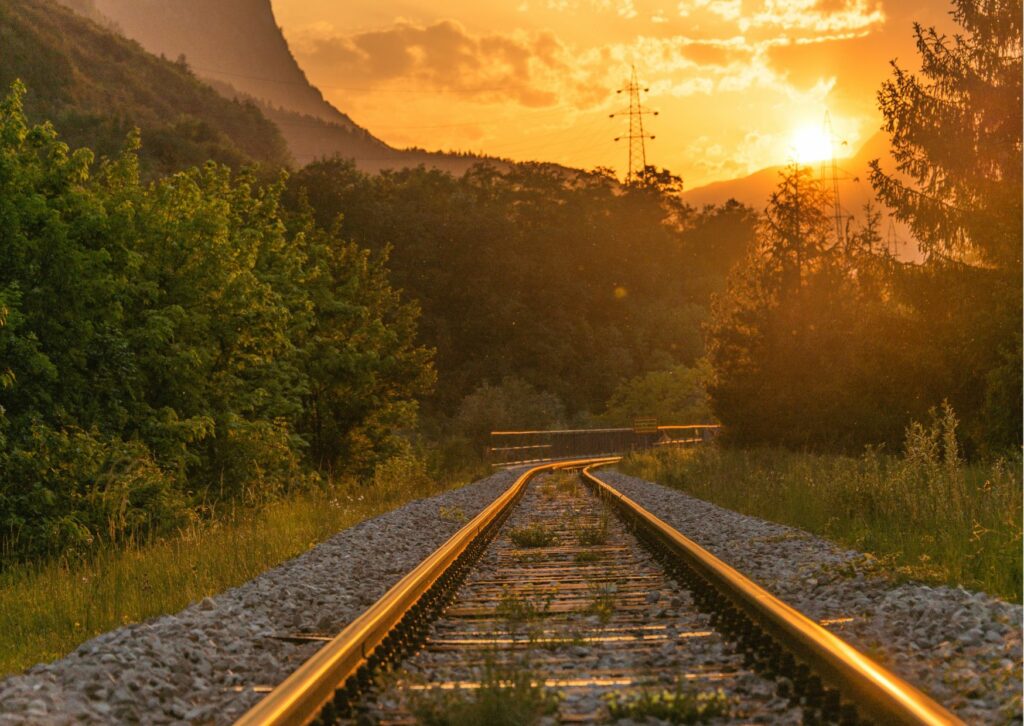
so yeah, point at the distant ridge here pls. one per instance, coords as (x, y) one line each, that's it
(854, 190)
(754, 189)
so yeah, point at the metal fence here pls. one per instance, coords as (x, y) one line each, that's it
(508, 448)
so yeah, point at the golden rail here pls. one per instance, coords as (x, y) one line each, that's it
(779, 637)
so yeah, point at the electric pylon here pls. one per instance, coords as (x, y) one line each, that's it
(892, 243)
(837, 208)
(637, 136)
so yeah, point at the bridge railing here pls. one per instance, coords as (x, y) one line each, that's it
(509, 448)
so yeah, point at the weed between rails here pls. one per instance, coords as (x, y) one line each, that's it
(517, 609)
(506, 696)
(680, 706)
(592, 534)
(532, 535)
(602, 602)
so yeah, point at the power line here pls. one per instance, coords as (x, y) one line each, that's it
(637, 165)
(837, 210)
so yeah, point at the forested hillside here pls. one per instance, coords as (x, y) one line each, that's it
(236, 42)
(97, 86)
(571, 283)
(237, 47)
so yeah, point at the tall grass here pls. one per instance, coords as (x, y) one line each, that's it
(926, 515)
(48, 609)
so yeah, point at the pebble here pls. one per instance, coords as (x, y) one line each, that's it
(185, 667)
(961, 647)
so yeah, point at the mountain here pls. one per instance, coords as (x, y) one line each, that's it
(754, 190)
(96, 86)
(854, 190)
(237, 47)
(236, 42)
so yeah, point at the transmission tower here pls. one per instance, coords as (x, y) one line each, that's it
(833, 174)
(892, 242)
(637, 136)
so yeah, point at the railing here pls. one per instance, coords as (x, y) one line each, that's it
(508, 448)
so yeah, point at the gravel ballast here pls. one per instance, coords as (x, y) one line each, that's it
(962, 648)
(202, 664)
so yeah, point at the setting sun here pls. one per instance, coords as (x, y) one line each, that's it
(810, 143)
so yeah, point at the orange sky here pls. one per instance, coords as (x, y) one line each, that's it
(739, 84)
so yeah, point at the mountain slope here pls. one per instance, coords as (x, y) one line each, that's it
(96, 86)
(236, 42)
(237, 47)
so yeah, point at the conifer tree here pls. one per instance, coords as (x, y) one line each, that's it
(956, 137)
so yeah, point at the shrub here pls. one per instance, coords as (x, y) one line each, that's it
(68, 491)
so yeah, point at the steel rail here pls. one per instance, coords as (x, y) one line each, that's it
(301, 696)
(877, 693)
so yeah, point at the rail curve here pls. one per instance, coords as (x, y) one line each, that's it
(827, 672)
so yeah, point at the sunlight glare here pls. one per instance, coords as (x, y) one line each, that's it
(810, 143)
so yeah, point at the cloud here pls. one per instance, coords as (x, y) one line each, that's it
(442, 57)
(828, 16)
(788, 15)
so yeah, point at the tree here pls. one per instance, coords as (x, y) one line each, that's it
(956, 139)
(168, 344)
(674, 396)
(803, 344)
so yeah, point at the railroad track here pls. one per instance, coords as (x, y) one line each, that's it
(566, 600)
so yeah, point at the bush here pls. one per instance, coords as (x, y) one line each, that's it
(65, 492)
(178, 343)
(674, 396)
(511, 404)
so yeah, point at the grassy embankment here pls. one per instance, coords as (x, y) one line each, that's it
(926, 515)
(47, 610)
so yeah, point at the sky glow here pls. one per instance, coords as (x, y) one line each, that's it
(740, 84)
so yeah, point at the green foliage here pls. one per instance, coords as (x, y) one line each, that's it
(677, 395)
(48, 608)
(800, 343)
(532, 535)
(97, 86)
(507, 696)
(835, 345)
(178, 342)
(927, 513)
(831, 344)
(956, 138)
(967, 98)
(679, 706)
(510, 404)
(73, 490)
(536, 271)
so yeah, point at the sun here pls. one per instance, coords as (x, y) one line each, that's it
(809, 144)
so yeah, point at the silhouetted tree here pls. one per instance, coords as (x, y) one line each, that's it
(956, 138)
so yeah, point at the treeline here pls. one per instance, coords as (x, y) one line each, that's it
(169, 345)
(566, 282)
(830, 343)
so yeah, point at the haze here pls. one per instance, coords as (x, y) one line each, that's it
(740, 84)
